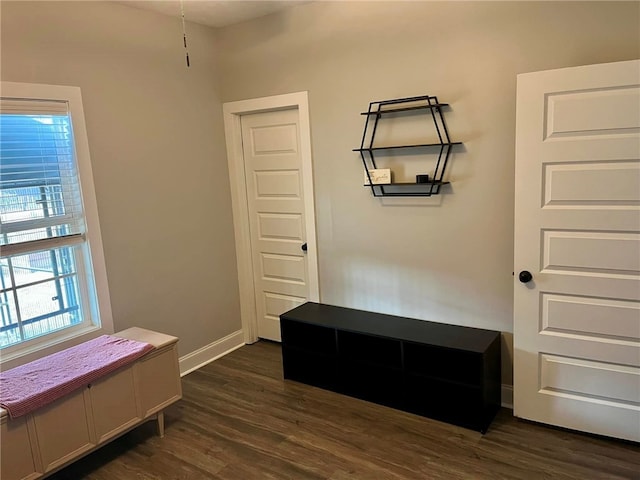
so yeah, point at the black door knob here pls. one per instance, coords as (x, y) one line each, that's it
(304, 247)
(525, 276)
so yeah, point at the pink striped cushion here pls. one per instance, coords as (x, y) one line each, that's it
(33, 385)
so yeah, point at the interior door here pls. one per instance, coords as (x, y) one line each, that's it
(275, 197)
(577, 233)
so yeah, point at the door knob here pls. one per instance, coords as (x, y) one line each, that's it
(525, 276)
(304, 247)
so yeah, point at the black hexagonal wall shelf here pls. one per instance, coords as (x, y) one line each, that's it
(433, 141)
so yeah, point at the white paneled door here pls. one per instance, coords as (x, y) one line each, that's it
(577, 235)
(275, 198)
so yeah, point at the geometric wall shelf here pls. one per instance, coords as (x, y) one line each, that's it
(426, 136)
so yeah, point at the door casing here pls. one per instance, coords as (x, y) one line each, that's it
(232, 112)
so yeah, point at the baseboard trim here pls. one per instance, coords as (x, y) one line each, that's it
(507, 396)
(207, 354)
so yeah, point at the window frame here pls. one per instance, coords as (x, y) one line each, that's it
(95, 285)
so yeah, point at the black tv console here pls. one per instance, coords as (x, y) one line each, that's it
(447, 372)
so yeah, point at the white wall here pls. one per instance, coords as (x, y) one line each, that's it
(449, 260)
(157, 143)
(157, 148)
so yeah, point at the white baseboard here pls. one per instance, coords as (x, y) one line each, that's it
(207, 354)
(507, 396)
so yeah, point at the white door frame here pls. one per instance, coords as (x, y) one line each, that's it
(233, 134)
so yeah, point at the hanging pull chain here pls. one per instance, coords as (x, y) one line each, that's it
(184, 32)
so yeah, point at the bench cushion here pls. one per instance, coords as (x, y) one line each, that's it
(35, 384)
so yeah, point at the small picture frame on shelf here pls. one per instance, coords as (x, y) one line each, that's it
(378, 176)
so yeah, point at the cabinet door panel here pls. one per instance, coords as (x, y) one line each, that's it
(307, 367)
(158, 380)
(376, 384)
(311, 338)
(370, 349)
(63, 430)
(113, 401)
(443, 363)
(450, 402)
(16, 459)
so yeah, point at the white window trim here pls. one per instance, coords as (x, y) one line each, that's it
(95, 269)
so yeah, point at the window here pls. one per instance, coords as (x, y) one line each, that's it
(52, 284)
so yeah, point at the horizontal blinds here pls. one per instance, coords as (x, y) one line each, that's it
(39, 186)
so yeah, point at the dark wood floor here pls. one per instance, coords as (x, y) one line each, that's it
(239, 420)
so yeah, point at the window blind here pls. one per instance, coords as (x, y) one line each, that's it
(40, 197)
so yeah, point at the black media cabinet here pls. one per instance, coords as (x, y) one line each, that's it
(446, 372)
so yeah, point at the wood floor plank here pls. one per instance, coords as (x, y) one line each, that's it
(239, 420)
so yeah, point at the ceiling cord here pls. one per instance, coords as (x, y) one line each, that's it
(184, 32)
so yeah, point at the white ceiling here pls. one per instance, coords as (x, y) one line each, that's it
(214, 13)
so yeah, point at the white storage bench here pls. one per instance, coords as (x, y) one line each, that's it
(44, 441)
